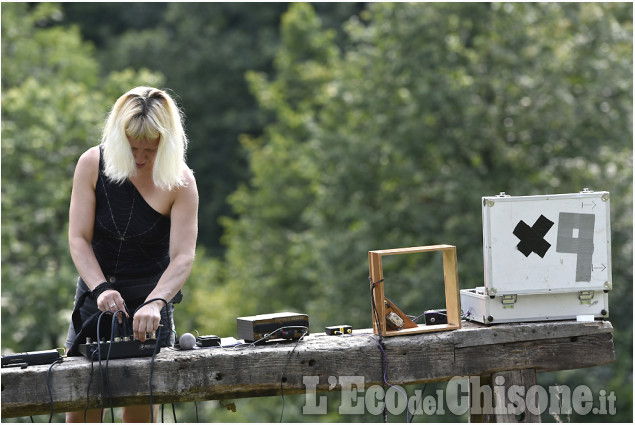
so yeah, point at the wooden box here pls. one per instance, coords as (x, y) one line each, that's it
(381, 307)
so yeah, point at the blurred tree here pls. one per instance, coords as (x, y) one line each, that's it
(102, 23)
(204, 50)
(393, 141)
(53, 106)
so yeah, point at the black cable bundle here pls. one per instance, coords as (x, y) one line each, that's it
(106, 380)
(156, 347)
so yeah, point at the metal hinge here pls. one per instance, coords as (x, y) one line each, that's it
(490, 202)
(585, 297)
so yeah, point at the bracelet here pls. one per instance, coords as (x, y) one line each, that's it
(99, 289)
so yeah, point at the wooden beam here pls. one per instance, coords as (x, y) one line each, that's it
(504, 410)
(495, 406)
(217, 373)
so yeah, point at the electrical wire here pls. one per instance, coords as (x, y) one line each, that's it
(156, 346)
(385, 357)
(415, 407)
(112, 338)
(48, 385)
(306, 330)
(90, 380)
(236, 346)
(101, 372)
(373, 305)
(378, 327)
(415, 318)
(265, 337)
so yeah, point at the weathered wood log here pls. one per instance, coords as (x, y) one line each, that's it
(265, 370)
(495, 406)
(503, 411)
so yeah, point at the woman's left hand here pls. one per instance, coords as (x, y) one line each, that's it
(147, 319)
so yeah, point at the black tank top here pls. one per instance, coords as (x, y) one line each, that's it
(131, 239)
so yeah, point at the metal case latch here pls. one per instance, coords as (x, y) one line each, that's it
(585, 297)
(509, 300)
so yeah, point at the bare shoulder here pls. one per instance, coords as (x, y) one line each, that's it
(89, 159)
(88, 165)
(190, 183)
(185, 206)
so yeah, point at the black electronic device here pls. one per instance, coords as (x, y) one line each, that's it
(119, 349)
(208, 341)
(30, 358)
(339, 330)
(273, 326)
(436, 317)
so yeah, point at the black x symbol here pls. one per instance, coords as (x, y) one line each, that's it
(532, 238)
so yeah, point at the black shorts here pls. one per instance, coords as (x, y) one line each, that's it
(166, 331)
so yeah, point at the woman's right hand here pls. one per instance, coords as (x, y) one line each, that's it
(111, 300)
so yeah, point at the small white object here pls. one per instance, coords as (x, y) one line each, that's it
(187, 341)
(585, 318)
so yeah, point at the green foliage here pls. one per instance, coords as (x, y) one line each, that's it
(207, 306)
(392, 142)
(53, 107)
(204, 51)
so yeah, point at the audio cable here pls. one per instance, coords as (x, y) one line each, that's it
(48, 385)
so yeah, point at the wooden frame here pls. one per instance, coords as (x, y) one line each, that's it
(383, 306)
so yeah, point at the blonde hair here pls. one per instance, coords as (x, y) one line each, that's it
(145, 113)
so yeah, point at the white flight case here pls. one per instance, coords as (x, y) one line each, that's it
(545, 258)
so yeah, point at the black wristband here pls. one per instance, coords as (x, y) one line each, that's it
(99, 289)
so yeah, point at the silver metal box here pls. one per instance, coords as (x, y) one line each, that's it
(480, 307)
(555, 247)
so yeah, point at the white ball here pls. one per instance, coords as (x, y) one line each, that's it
(187, 341)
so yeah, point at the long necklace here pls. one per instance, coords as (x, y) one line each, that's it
(121, 236)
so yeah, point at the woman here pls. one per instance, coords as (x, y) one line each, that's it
(133, 221)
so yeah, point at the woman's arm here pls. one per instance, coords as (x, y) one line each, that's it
(183, 234)
(80, 229)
